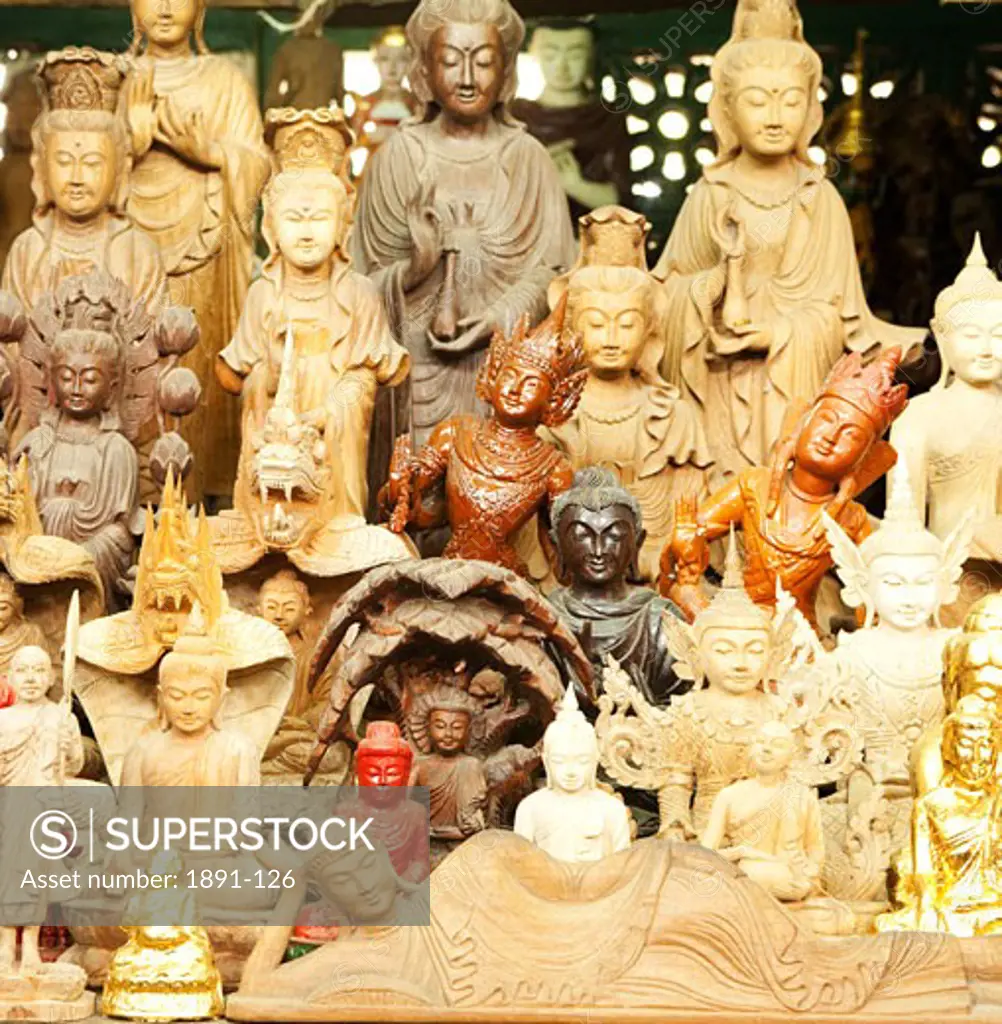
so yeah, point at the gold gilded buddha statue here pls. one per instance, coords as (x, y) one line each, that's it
(955, 881)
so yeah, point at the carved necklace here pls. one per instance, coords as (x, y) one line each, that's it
(762, 203)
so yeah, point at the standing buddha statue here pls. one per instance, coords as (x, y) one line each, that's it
(462, 221)
(588, 142)
(827, 456)
(310, 351)
(760, 269)
(951, 437)
(200, 164)
(497, 472)
(629, 419)
(80, 177)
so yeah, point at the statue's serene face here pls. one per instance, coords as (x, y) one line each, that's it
(308, 220)
(613, 328)
(735, 659)
(448, 731)
(381, 768)
(905, 589)
(566, 56)
(773, 750)
(31, 675)
(166, 22)
(597, 548)
(971, 340)
(188, 699)
(392, 63)
(80, 168)
(83, 383)
(521, 394)
(283, 605)
(572, 760)
(971, 750)
(834, 440)
(9, 609)
(465, 67)
(769, 109)
(360, 882)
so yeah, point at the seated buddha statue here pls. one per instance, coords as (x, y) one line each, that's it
(769, 824)
(15, 630)
(955, 879)
(309, 354)
(573, 819)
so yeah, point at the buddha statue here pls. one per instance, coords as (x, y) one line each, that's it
(497, 472)
(901, 576)
(80, 179)
(598, 532)
(378, 114)
(462, 220)
(190, 748)
(120, 667)
(23, 104)
(199, 166)
(310, 351)
(629, 418)
(93, 376)
(955, 884)
(760, 270)
(769, 825)
(163, 972)
(829, 454)
(950, 437)
(587, 141)
(572, 819)
(456, 780)
(307, 70)
(16, 631)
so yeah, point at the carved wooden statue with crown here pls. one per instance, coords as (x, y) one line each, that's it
(81, 162)
(487, 478)
(94, 378)
(199, 166)
(951, 436)
(629, 419)
(829, 453)
(764, 292)
(309, 354)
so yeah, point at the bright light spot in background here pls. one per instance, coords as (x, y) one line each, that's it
(704, 156)
(822, 94)
(701, 60)
(642, 91)
(360, 72)
(706, 125)
(690, 187)
(4, 70)
(358, 158)
(349, 105)
(674, 166)
(987, 124)
(849, 84)
(530, 78)
(283, 87)
(641, 157)
(991, 157)
(675, 84)
(609, 89)
(881, 90)
(12, 54)
(636, 125)
(646, 189)
(3, 116)
(703, 92)
(673, 124)
(818, 155)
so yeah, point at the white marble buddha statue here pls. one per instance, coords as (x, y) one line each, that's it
(572, 819)
(951, 437)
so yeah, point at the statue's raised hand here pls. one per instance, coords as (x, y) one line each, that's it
(425, 227)
(141, 114)
(687, 548)
(187, 135)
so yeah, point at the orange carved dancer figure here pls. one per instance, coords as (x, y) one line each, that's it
(497, 474)
(832, 452)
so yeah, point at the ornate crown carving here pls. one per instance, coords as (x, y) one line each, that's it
(613, 236)
(81, 78)
(551, 348)
(767, 19)
(976, 283)
(308, 139)
(870, 388)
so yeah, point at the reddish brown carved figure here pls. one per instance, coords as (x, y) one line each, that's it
(497, 473)
(832, 452)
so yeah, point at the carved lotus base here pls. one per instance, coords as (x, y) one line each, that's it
(55, 992)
